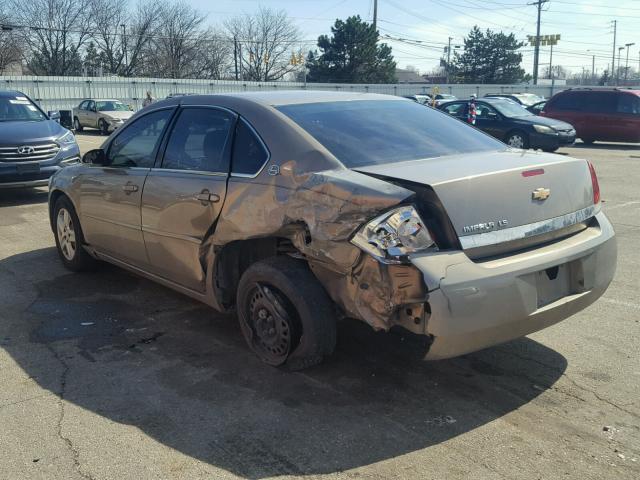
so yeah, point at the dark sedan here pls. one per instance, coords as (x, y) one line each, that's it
(514, 124)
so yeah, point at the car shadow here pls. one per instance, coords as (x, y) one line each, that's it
(139, 354)
(23, 196)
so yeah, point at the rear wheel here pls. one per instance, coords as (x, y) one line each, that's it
(76, 124)
(286, 316)
(103, 127)
(69, 238)
(550, 150)
(517, 139)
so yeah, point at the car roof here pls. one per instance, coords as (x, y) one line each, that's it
(10, 93)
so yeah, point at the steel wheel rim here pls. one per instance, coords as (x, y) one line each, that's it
(270, 324)
(66, 234)
(516, 141)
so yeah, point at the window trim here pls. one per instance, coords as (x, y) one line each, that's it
(264, 145)
(156, 151)
(228, 147)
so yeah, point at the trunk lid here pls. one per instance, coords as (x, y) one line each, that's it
(490, 191)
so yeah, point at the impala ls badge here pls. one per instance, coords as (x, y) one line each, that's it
(541, 194)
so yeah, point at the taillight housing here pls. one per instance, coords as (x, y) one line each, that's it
(594, 184)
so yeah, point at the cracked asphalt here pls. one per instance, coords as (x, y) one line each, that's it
(110, 376)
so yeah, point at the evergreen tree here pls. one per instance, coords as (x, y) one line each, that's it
(351, 55)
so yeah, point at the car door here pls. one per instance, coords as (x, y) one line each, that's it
(80, 111)
(490, 121)
(628, 114)
(183, 196)
(110, 195)
(91, 118)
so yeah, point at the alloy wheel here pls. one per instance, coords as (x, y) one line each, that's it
(66, 234)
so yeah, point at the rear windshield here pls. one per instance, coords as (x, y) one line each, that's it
(370, 132)
(511, 109)
(111, 106)
(19, 109)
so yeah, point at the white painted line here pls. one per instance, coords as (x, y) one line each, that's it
(635, 306)
(622, 205)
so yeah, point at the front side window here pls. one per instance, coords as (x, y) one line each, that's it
(136, 144)
(249, 154)
(629, 103)
(370, 132)
(198, 141)
(483, 111)
(19, 109)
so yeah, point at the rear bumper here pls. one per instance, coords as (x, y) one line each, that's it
(475, 305)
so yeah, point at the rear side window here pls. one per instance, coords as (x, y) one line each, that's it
(249, 153)
(601, 102)
(370, 132)
(198, 141)
(628, 103)
(135, 146)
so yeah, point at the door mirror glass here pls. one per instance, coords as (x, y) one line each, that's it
(95, 157)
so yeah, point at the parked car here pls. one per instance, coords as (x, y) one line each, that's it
(288, 207)
(103, 114)
(514, 124)
(443, 97)
(33, 145)
(524, 99)
(607, 114)
(536, 108)
(423, 99)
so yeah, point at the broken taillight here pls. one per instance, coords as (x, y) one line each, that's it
(594, 184)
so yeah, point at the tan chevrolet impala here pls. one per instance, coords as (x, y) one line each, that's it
(298, 208)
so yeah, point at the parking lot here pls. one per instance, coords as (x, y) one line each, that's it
(110, 376)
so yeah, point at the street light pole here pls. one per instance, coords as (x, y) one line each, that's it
(618, 70)
(626, 66)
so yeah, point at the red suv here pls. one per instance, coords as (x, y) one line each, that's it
(609, 114)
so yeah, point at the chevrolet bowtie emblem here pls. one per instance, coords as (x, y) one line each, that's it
(541, 193)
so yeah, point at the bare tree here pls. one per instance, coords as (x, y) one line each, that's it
(176, 44)
(122, 35)
(213, 58)
(10, 51)
(267, 41)
(54, 31)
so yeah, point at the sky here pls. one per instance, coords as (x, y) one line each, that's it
(585, 26)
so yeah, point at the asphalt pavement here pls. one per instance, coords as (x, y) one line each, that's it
(110, 376)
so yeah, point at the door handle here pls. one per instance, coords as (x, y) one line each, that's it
(129, 188)
(206, 197)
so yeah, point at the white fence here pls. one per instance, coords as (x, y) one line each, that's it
(54, 93)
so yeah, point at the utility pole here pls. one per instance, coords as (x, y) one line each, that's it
(124, 46)
(626, 66)
(593, 68)
(551, 64)
(235, 55)
(448, 58)
(613, 56)
(375, 15)
(536, 53)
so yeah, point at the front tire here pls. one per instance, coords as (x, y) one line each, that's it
(103, 127)
(76, 124)
(69, 237)
(285, 315)
(517, 139)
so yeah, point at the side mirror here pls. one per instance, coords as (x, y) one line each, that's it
(54, 115)
(95, 157)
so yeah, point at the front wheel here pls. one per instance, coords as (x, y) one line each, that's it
(518, 139)
(69, 238)
(285, 315)
(103, 127)
(76, 125)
